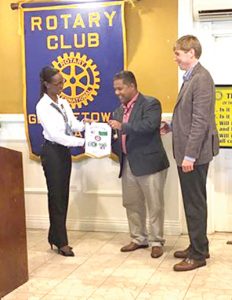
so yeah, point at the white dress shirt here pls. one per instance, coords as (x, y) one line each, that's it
(53, 123)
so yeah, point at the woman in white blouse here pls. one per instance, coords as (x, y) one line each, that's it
(58, 122)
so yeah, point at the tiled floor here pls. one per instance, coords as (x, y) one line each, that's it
(100, 271)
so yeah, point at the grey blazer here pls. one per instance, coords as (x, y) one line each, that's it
(145, 151)
(193, 122)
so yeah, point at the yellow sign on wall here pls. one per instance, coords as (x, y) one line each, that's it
(223, 113)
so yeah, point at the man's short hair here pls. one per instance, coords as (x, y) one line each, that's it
(188, 42)
(127, 77)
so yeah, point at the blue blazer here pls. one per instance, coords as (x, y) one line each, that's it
(145, 151)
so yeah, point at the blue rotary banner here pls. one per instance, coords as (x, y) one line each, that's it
(86, 42)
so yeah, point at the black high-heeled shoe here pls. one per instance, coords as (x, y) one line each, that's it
(51, 244)
(66, 252)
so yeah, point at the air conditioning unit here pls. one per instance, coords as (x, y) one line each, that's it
(212, 10)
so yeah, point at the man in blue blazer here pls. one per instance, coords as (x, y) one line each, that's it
(143, 163)
(195, 142)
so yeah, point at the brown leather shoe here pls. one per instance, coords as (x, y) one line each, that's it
(156, 251)
(132, 247)
(189, 264)
(185, 253)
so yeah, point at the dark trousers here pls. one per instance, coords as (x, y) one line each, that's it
(56, 162)
(193, 187)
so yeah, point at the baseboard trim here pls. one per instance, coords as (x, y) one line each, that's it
(98, 224)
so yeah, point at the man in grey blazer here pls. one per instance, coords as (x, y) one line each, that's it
(143, 162)
(195, 142)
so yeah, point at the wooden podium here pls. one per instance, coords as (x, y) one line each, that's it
(13, 247)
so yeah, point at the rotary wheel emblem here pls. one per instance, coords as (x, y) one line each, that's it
(81, 78)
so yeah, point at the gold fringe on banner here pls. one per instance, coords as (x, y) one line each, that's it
(17, 5)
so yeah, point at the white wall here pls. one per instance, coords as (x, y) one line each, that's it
(95, 198)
